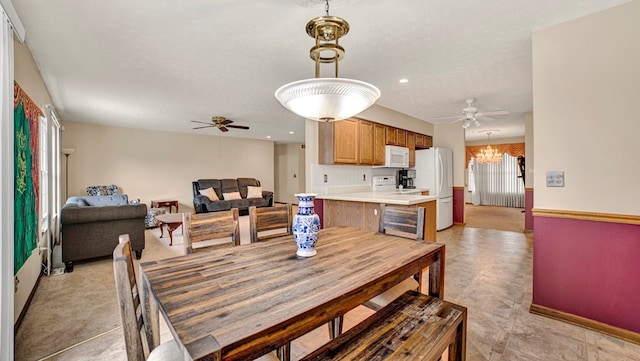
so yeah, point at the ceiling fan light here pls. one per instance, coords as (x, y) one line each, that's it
(327, 99)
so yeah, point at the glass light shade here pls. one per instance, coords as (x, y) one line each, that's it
(327, 99)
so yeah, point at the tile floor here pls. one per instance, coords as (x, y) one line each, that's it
(74, 316)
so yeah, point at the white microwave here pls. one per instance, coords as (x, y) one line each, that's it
(396, 157)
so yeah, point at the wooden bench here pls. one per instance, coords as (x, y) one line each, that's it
(412, 327)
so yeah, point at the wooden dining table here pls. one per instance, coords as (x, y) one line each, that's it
(242, 302)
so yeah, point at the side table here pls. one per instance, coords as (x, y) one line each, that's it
(165, 203)
(173, 221)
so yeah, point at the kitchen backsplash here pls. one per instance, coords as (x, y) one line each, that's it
(344, 178)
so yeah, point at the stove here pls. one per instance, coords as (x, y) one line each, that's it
(384, 183)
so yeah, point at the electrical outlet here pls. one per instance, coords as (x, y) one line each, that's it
(325, 178)
(555, 179)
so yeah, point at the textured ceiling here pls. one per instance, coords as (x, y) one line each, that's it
(159, 64)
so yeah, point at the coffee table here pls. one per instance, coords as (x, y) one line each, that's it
(172, 220)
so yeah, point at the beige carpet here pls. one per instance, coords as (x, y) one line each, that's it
(76, 307)
(500, 218)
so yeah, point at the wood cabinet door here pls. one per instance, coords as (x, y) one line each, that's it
(411, 144)
(401, 139)
(366, 140)
(428, 141)
(345, 141)
(392, 136)
(419, 140)
(379, 137)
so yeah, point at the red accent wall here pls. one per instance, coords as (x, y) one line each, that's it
(318, 207)
(588, 268)
(528, 206)
(458, 204)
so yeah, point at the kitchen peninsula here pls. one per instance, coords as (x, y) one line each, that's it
(361, 209)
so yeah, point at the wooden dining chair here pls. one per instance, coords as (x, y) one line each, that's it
(137, 336)
(210, 230)
(276, 218)
(404, 222)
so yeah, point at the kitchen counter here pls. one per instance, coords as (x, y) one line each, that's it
(390, 197)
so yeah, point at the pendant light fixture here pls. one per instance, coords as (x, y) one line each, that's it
(489, 154)
(327, 99)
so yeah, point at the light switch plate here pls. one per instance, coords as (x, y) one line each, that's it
(555, 179)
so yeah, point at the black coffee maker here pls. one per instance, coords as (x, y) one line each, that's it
(406, 177)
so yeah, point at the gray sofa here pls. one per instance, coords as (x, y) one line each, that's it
(91, 226)
(202, 204)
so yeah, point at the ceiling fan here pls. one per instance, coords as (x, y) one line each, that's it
(221, 123)
(471, 115)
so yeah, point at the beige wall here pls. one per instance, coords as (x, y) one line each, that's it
(380, 114)
(586, 83)
(497, 141)
(528, 151)
(452, 136)
(150, 164)
(27, 75)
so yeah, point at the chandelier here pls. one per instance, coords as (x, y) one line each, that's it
(489, 154)
(327, 99)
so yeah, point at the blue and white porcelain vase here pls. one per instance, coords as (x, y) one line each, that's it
(306, 225)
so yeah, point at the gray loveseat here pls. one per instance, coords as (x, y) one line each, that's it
(91, 226)
(202, 204)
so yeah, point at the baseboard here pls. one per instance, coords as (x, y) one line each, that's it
(16, 325)
(459, 223)
(617, 332)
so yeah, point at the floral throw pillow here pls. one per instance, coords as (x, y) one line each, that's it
(210, 193)
(254, 192)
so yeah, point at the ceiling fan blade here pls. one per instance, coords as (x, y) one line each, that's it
(457, 120)
(445, 118)
(238, 126)
(197, 121)
(226, 121)
(497, 112)
(223, 128)
(206, 126)
(484, 117)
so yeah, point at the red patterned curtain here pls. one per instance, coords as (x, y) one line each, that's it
(27, 175)
(513, 149)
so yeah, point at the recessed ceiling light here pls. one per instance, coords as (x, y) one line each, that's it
(291, 132)
(404, 80)
(268, 137)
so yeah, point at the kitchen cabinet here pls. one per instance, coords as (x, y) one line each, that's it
(423, 141)
(351, 141)
(411, 144)
(392, 136)
(361, 142)
(338, 142)
(379, 134)
(365, 142)
(401, 138)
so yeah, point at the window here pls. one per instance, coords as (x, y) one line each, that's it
(44, 175)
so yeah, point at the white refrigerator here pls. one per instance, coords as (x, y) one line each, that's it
(434, 171)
